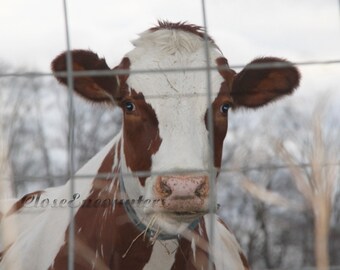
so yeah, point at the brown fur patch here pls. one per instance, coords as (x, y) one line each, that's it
(103, 233)
(184, 258)
(227, 73)
(23, 201)
(244, 261)
(124, 66)
(220, 120)
(141, 134)
(3, 252)
(242, 256)
(91, 224)
(224, 224)
(255, 86)
(182, 26)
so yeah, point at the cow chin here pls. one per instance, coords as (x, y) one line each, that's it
(174, 223)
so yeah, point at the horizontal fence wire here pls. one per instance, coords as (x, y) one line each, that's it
(156, 173)
(168, 70)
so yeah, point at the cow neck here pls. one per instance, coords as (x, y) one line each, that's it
(149, 232)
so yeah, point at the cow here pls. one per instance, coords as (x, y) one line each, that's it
(147, 204)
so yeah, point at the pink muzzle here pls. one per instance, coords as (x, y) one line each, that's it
(182, 193)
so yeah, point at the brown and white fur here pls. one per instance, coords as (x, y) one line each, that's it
(160, 219)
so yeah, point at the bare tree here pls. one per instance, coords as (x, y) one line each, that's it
(35, 123)
(275, 227)
(318, 184)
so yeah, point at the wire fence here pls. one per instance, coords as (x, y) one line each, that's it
(164, 172)
(70, 75)
(168, 70)
(71, 170)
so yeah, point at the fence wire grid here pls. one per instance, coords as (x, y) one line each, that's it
(70, 75)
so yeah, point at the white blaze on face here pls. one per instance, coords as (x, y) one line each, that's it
(178, 98)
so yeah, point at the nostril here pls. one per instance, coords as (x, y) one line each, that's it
(178, 187)
(166, 190)
(201, 190)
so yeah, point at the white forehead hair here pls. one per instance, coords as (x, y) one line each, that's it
(178, 98)
(172, 49)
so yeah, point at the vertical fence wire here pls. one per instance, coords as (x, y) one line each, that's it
(71, 115)
(211, 153)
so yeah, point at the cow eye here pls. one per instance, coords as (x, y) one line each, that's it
(224, 108)
(129, 106)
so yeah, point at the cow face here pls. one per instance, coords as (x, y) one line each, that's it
(165, 131)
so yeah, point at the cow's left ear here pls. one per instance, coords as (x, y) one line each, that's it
(264, 80)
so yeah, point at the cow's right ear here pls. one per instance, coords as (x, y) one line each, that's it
(94, 88)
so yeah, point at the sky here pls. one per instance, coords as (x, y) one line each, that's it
(33, 32)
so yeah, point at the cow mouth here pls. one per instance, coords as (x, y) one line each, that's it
(188, 213)
(182, 216)
(185, 213)
(179, 215)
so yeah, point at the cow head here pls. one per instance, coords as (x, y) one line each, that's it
(165, 121)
